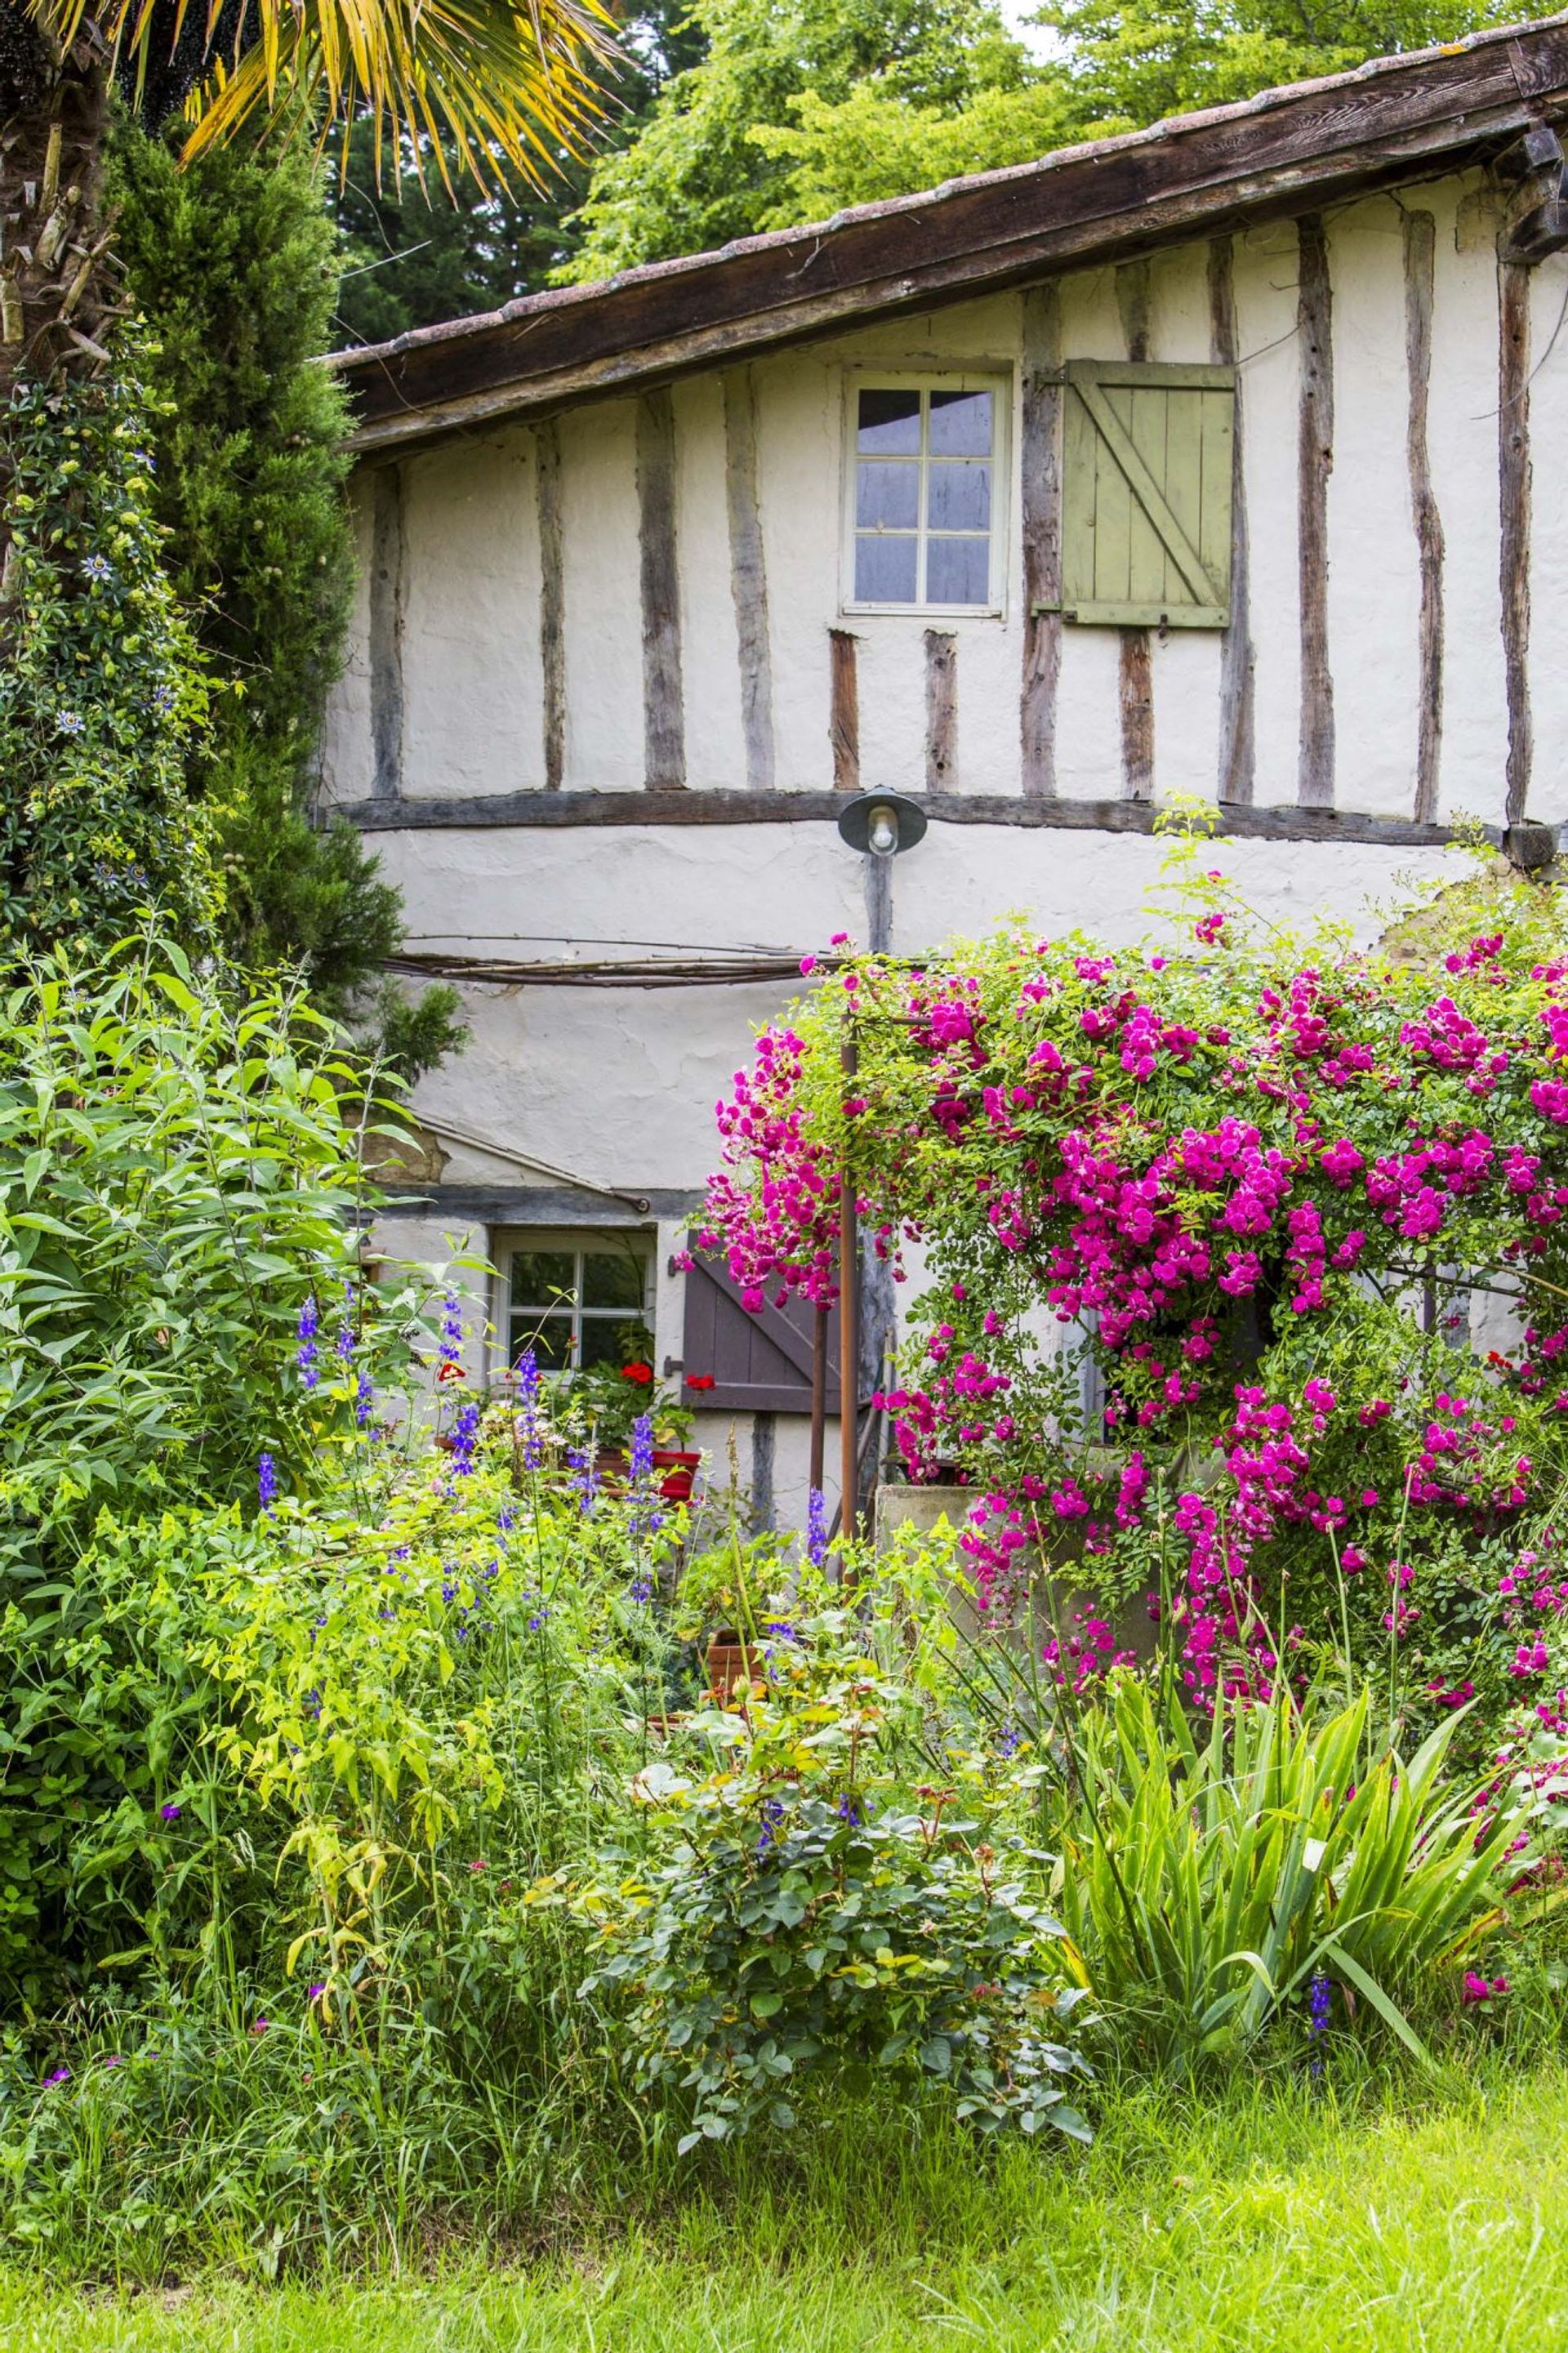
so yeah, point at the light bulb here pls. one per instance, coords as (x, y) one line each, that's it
(883, 832)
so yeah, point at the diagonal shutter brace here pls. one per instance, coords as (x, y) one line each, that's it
(639, 1201)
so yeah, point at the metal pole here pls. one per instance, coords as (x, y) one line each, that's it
(879, 900)
(849, 1314)
(818, 1396)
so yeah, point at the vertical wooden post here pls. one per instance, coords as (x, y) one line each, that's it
(844, 712)
(1238, 739)
(748, 577)
(942, 710)
(1420, 252)
(664, 718)
(849, 1318)
(551, 601)
(1514, 489)
(818, 1398)
(1315, 459)
(386, 609)
(1040, 488)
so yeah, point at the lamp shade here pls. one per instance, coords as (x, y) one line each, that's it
(883, 823)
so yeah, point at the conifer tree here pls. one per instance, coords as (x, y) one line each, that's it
(234, 264)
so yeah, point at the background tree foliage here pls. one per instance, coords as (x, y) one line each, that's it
(415, 250)
(800, 106)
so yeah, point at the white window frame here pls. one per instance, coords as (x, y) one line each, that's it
(994, 380)
(506, 1240)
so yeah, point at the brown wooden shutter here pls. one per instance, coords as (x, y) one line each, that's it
(759, 1363)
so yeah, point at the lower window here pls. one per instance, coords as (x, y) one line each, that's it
(577, 1299)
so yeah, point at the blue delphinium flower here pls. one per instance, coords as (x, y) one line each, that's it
(1320, 2003)
(451, 1330)
(527, 1417)
(305, 1355)
(641, 1587)
(773, 1815)
(584, 1484)
(266, 1481)
(465, 1432)
(642, 1447)
(816, 1528)
(365, 1397)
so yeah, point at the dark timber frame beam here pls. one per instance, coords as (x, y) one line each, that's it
(1285, 152)
(1030, 812)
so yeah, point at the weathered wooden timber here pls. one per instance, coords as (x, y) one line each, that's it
(1514, 475)
(1237, 734)
(1028, 811)
(941, 708)
(1420, 235)
(1039, 483)
(551, 601)
(1315, 447)
(664, 717)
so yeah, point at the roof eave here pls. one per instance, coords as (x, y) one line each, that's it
(1286, 151)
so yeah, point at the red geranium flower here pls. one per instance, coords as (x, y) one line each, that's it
(700, 1380)
(638, 1373)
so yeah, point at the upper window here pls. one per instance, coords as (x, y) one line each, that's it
(923, 508)
(578, 1299)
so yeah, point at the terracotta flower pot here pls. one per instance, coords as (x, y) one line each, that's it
(730, 1666)
(679, 1470)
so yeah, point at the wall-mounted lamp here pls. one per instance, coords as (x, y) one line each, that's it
(881, 824)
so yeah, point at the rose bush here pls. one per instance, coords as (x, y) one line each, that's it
(1299, 1206)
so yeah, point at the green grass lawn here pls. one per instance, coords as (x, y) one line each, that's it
(1269, 2218)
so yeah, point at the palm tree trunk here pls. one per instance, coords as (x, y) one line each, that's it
(59, 295)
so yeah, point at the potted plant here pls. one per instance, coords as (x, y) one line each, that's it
(615, 1397)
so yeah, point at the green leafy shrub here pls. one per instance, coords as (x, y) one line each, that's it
(180, 1181)
(816, 1905)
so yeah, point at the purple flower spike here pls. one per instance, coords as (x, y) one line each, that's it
(816, 1528)
(266, 1481)
(305, 1355)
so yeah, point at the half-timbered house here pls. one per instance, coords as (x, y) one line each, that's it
(1224, 459)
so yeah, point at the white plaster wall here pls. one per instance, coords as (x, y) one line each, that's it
(1089, 721)
(471, 690)
(1463, 436)
(617, 1085)
(603, 599)
(710, 651)
(1549, 565)
(346, 765)
(1269, 379)
(1184, 664)
(1375, 589)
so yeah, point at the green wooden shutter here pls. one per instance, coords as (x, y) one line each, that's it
(1146, 479)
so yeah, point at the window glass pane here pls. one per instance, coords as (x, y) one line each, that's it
(958, 498)
(891, 424)
(960, 425)
(611, 1340)
(885, 569)
(886, 496)
(958, 572)
(612, 1278)
(550, 1337)
(543, 1278)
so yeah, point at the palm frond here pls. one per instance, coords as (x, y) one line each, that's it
(515, 82)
